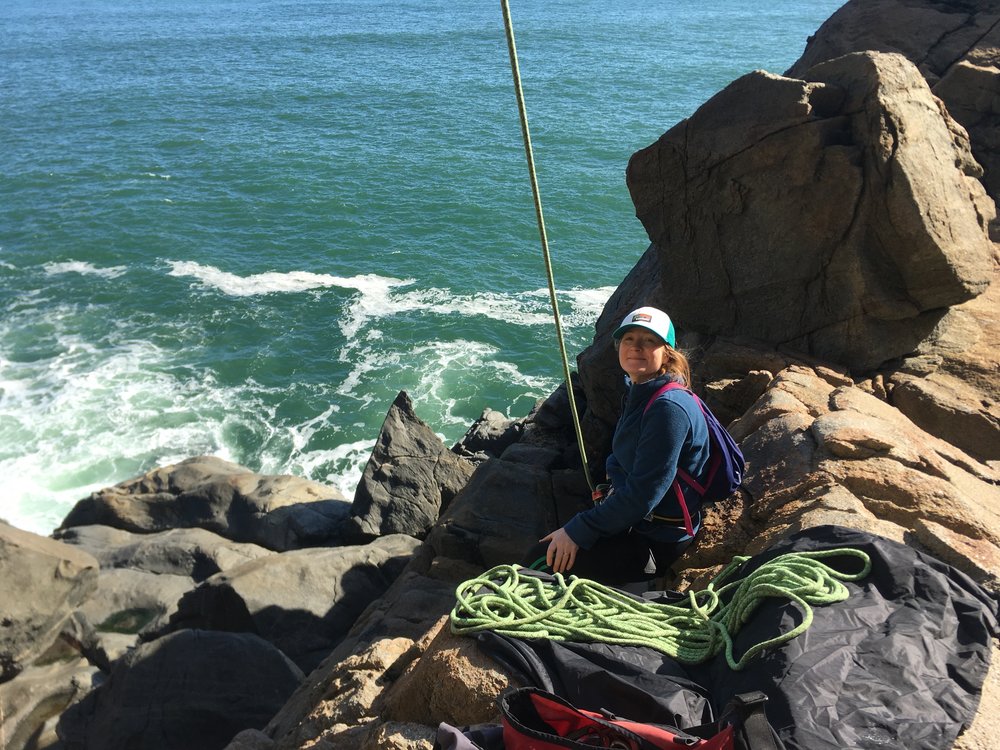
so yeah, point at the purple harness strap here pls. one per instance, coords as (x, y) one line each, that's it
(713, 465)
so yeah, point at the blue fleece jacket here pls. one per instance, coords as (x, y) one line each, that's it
(647, 448)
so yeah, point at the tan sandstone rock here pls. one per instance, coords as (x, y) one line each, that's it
(818, 454)
(956, 46)
(452, 682)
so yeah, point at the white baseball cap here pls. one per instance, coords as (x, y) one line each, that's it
(651, 319)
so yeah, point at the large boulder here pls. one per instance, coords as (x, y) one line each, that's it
(302, 601)
(954, 43)
(189, 690)
(41, 582)
(510, 502)
(409, 479)
(507, 506)
(275, 511)
(838, 214)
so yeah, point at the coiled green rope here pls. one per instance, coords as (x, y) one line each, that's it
(579, 609)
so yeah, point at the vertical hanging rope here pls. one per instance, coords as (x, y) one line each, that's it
(515, 69)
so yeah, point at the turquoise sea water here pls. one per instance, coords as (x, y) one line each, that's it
(242, 227)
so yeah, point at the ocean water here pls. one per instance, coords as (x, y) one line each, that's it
(241, 227)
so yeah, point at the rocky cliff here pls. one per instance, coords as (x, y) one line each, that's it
(823, 241)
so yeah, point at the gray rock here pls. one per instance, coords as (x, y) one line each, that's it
(303, 601)
(195, 553)
(410, 477)
(278, 512)
(532, 455)
(504, 509)
(41, 582)
(489, 435)
(250, 739)
(191, 690)
(317, 523)
(370, 656)
(132, 602)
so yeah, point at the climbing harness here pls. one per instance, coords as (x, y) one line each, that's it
(578, 609)
(516, 71)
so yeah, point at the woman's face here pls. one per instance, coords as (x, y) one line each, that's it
(641, 354)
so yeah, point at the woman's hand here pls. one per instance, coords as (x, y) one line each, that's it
(561, 553)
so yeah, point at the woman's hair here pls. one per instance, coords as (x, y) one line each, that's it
(677, 365)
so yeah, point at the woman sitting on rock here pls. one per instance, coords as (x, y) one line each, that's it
(639, 527)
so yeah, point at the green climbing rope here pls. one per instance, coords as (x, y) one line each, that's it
(578, 609)
(540, 218)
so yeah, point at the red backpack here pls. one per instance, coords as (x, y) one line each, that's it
(536, 720)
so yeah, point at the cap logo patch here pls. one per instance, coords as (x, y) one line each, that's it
(642, 318)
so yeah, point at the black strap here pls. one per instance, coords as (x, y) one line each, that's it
(752, 730)
(752, 727)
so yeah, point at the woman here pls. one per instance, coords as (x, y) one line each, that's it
(639, 528)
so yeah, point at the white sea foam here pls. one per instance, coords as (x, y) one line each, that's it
(380, 297)
(274, 282)
(94, 413)
(578, 307)
(341, 467)
(525, 309)
(84, 268)
(444, 379)
(586, 304)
